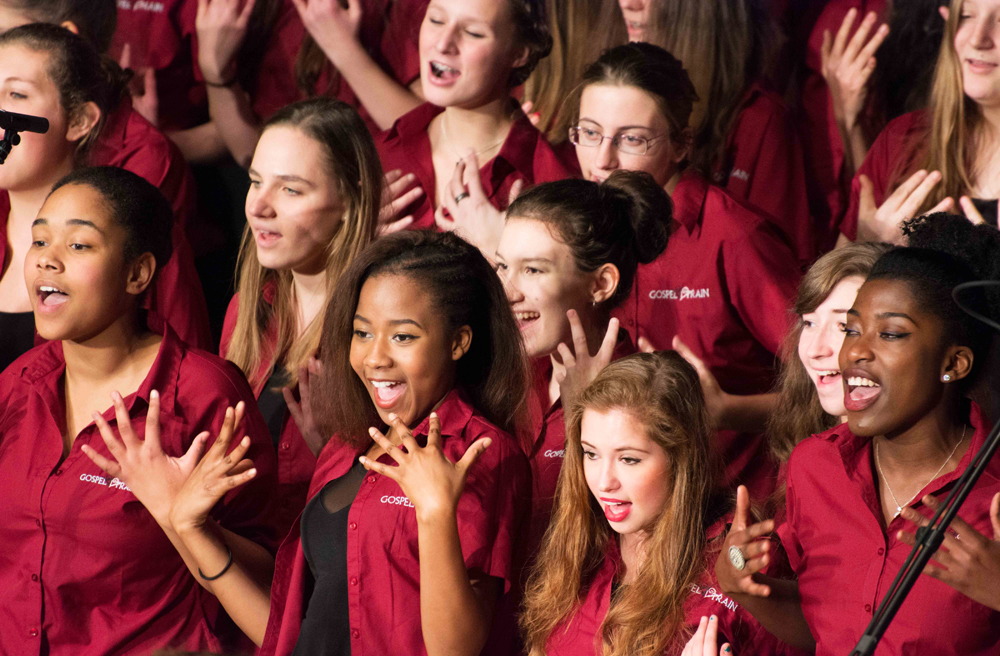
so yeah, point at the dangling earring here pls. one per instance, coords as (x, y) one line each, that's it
(946, 378)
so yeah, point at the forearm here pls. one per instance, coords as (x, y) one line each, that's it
(383, 97)
(201, 144)
(245, 589)
(237, 124)
(452, 617)
(780, 612)
(750, 413)
(855, 147)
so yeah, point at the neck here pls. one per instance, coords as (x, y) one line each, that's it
(106, 355)
(991, 123)
(672, 183)
(633, 553)
(478, 128)
(309, 291)
(927, 442)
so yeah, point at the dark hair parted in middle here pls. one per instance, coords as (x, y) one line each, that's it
(135, 205)
(465, 291)
(623, 221)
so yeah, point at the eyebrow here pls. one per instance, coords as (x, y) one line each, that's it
(618, 450)
(886, 315)
(544, 260)
(624, 127)
(286, 177)
(394, 322)
(72, 222)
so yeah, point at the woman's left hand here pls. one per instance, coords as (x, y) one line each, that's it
(221, 26)
(967, 561)
(153, 477)
(580, 367)
(431, 481)
(331, 23)
(705, 639)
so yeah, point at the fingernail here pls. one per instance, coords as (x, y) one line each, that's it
(712, 618)
(727, 650)
(245, 441)
(392, 416)
(153, 394)
(372, 431)
(252, 472)
(434, 414)
(362, 459)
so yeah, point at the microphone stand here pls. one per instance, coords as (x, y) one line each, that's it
(10, 139)
(930, 537)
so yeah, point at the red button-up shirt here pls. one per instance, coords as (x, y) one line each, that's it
(383, 565)
(296, 461)
(888, 160)
(764, 166)
(548, 431)
(525, 155)
(581, 633)
(85, 569)
(724, 285)
(845, 558)
(161, 35)
(175, 295)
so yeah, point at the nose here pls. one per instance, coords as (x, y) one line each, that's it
(514, 294)
(607, 156)
(48, 260)
(818, 343)
(856, 349)
(632, 5)
(982, 36)
(608, 482)
(445, 42)
(259, 203)
(378, 355)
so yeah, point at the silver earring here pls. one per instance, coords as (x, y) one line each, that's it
(946, 378)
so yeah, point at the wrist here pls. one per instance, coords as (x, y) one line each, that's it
(436, 516)
(187, 526)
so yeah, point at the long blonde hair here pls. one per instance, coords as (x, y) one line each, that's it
(661, 390)
(949, 140)
(581, 31)
(353, 162)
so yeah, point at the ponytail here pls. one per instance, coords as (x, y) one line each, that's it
(625, 221)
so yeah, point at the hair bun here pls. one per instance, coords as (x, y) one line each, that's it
(649, 208)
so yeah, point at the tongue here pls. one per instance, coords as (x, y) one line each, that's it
(55, 298)
(864, 393)
(391, 393)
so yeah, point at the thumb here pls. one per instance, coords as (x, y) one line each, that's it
(646, 346)
(995, 516)
(472, 454)
(689, 355)
(515, 191)
(125, 60)
(826, 47)
(867, 195)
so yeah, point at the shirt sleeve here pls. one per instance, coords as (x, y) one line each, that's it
(177, 296)
(762, 277)
(786, 531)
(400, 45)
(493, 511)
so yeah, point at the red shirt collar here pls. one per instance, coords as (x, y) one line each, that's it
(112, 137)
(44, 369)
(516, 154)
(689, 199)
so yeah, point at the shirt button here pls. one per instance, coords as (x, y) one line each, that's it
(355, 633)
(58, 472)
(34, 577)
(354, 581)
(33, 633)
(354, 525)
(285, 446)
(38, 522)
(881, 551)
(868, 608)
(371, 479)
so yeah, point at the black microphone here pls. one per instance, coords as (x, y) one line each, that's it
(23, 122)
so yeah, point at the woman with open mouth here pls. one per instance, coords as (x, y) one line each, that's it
(625, 566)
(473, 53)
(908, 360)
(568, 255)
(71, 531)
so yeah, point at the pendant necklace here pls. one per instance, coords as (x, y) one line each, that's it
(900, 506)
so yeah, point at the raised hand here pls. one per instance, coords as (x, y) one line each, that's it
(397, 196)
(967, 561)
(705, 639)
(752, 551)
(222, 27)
(581, 368)
(331, 23)
(883, 223)
(215, 475)
(431, 481)
(154, 477)
(716, 400)
(848, 64)
(466, 210)
(142, 88)
(302, 413)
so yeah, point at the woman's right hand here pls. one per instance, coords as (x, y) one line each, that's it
(883, 223)
(848, 64)
(216, 474)
(396, 197)
(301, 410)
(735, 581)
(221, 27)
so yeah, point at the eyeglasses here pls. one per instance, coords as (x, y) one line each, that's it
(630, 144)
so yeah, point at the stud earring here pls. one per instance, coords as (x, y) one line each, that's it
(946, 378)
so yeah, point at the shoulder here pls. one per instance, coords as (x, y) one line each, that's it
(897, 136)
(735, 219)
(206, 374)
(229, 323)
(818, 449)
(763, 108)
(551, 164)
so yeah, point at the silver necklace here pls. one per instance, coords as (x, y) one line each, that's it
(900, 506)
(447, 138)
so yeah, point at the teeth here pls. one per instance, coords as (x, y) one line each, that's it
(441, 69)
(858, 381)
(828, 373)
(46, 288)
(526, 316)
(381, 384)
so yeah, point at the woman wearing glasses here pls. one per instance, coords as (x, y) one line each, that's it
(725, 282)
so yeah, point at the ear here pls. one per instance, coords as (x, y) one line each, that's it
(71, 26)
(945, 13)
(85, 120)
(683, 144)
(605, 283)
(462, 342)
(522, 58)
(140, 274)
(957, 363)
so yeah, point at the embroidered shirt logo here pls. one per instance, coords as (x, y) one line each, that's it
(552, 453)
(682, 294)
(141, 5)
(714, 595)
(114, 484)
(396, 501)
(740, 174)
